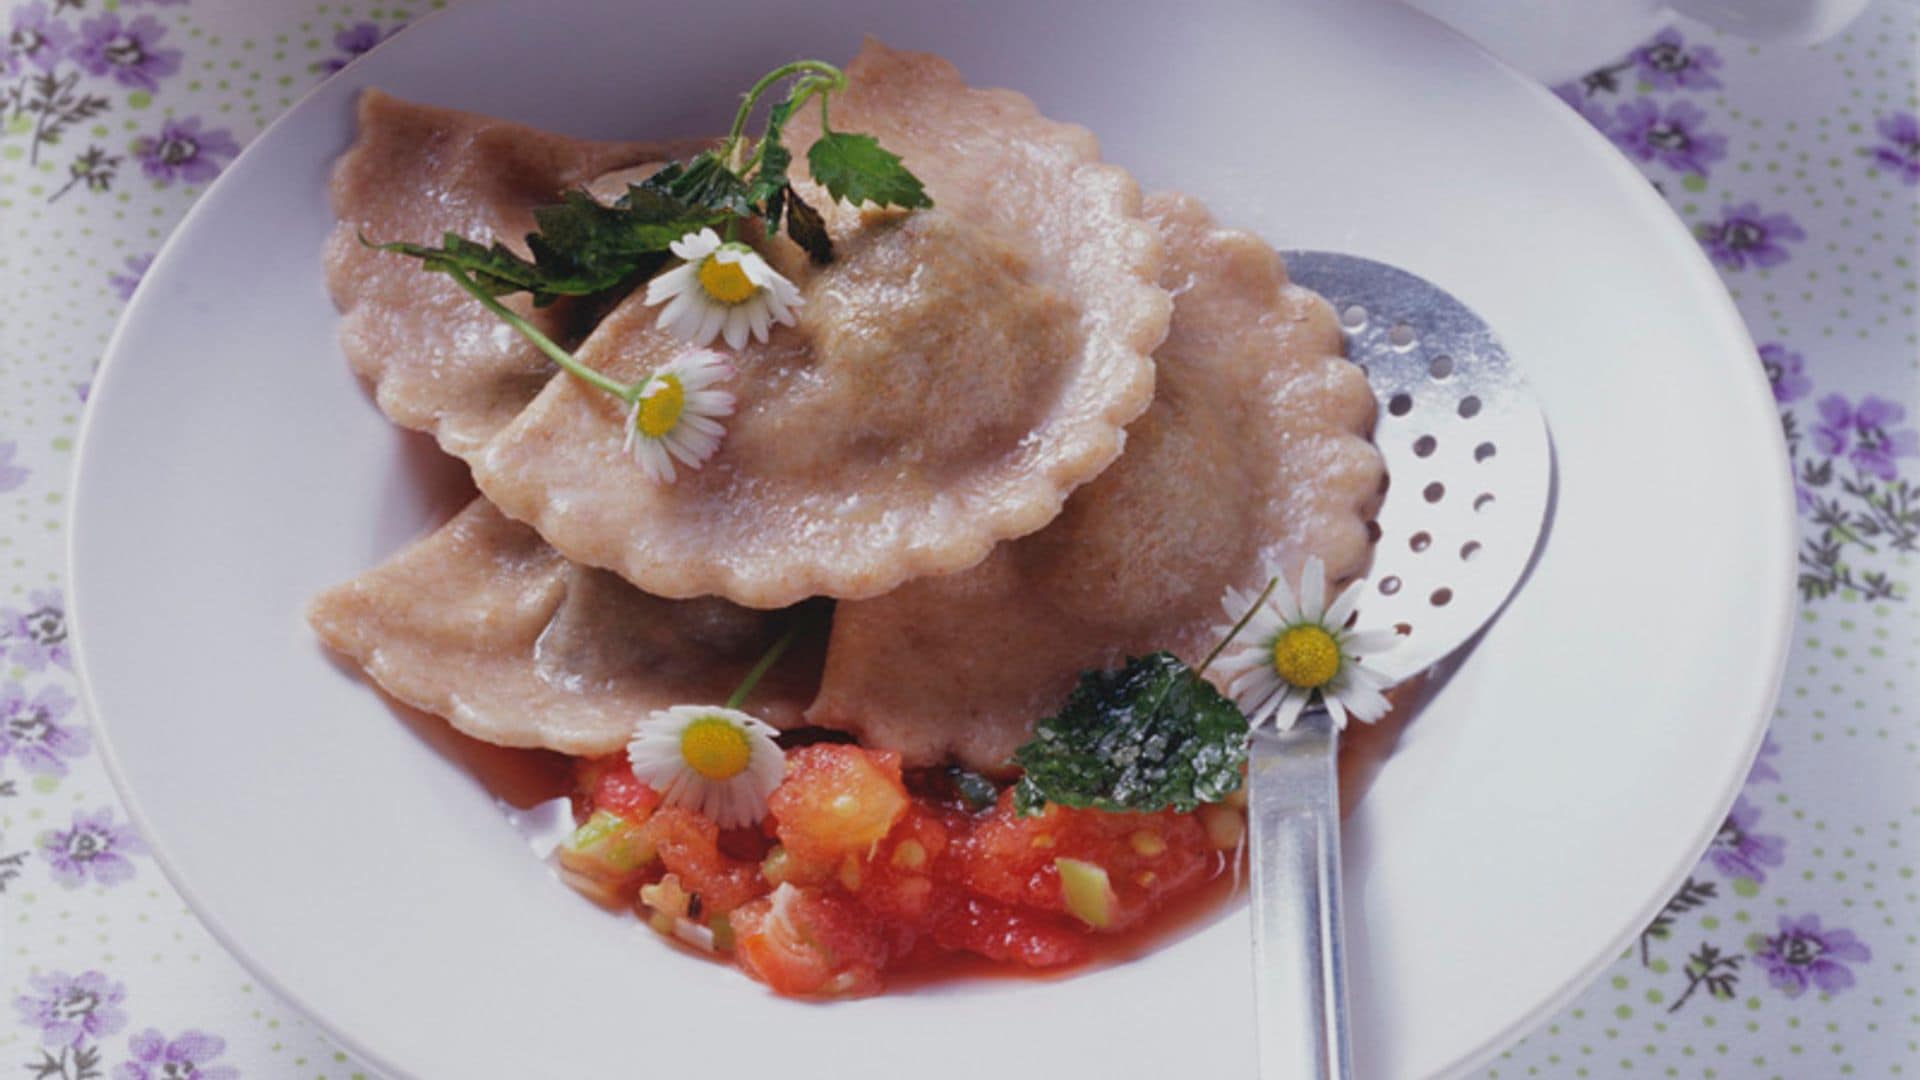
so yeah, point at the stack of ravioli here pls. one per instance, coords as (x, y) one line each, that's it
(1032, 431)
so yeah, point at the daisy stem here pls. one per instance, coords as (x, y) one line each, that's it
(1239, 626)
(546, 344)
(760, 668)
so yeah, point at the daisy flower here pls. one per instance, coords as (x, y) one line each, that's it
(718, 762)
(721, 290)
(676, 414)
(1296, 649)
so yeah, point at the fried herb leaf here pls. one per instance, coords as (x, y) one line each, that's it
(978, 791)
(1151, 736)
(857, 169)
(807, 227)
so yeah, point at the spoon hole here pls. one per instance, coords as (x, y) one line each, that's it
(1484, 451)
(1354, 317)
(1441, 597)
(1389, 586)
(1401, 336)
(1436, 490)
(1485, 500)
(1420, 541)
(1469, 551)
(1425, 445)
(1373, 532)
(1441, 367)
(1400, 404)
(1403, 629)
(1469, 407)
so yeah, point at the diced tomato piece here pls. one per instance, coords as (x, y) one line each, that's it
(837, 800)
(897, 880)
(1147, 857)
(608, 784)
(1010, 935)
(807, 943)
(688, 846)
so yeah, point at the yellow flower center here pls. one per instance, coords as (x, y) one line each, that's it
(725, 281)
(1307, 657)
(660, 410)
(715, 748)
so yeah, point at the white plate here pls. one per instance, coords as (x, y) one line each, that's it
(1530, 822)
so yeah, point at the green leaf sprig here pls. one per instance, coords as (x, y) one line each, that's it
(582, 247)
(1151, 736)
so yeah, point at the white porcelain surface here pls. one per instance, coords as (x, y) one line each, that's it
(1534, 816)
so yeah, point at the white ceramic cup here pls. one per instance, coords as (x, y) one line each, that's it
(1554, 40)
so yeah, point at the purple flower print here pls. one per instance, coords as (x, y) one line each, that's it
(1674, 137)
(185, 1058)
(1900, 153)
(34, 39)
(1763, 769)
(93, 847)
(11, 475)
(1803, 953)
(1737, 851)
(1786, 372)
(1745, 235)
(37, 636)
(1867, 434)
(124, 284)
(1578, 98)
(353, 42)
(181, 151)
(1666, 63)
(29, 733)
(125, 52)
(71, 1009)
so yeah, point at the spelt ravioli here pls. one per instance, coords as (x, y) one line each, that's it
(1256, 448)
(439, 362)
(482, 623)
(955, 374)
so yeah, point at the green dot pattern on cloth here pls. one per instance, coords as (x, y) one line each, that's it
(1791, 950)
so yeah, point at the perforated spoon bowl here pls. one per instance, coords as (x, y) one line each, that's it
(1470, 471)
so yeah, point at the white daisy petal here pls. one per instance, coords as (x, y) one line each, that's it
(694, 314)
(1369, 642)
(1343, 605)
(712, 318)
(1313, 589)
(670, 285)
(1260, 677)
(656, 753)
(1289, 711)
(1336, 710)
(734, 332)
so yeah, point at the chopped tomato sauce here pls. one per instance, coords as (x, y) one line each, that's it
(860, 870)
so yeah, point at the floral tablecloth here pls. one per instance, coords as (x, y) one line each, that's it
(1791, 950)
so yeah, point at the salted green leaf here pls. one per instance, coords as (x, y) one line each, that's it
(1151, 736)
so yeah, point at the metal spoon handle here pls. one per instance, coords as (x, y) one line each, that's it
(1300, 982)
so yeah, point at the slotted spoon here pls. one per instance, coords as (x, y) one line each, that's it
(1470, 471)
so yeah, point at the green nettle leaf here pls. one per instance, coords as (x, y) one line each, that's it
(857, 169)
(703, 182)
(493, 267)
(581, 247)
(807, 227)
(1151, 736)
(770, 178)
